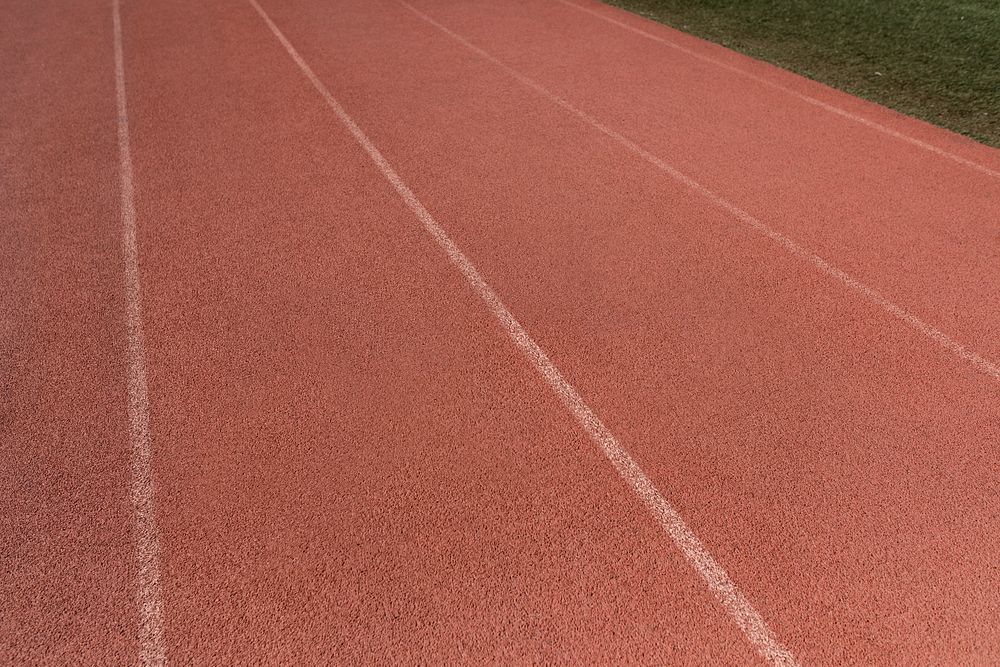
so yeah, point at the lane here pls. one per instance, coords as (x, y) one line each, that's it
(354, 463)
(904, 128)
(836, 463)
(920, 229)
(718, 582)
(66, 545)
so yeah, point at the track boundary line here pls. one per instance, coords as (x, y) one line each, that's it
(870, 294)
(794, 93)
(746, 617)
(148, 595)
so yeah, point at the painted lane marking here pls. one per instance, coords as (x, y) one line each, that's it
(151, 644)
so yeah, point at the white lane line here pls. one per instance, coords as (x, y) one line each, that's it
(868, 293)
(718, 581)
(794, 93)
(151, 645)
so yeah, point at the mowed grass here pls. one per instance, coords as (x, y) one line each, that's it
(938, 60)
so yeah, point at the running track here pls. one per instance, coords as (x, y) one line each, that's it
(374, 332)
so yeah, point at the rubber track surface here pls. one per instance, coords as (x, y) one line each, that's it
(352, 461)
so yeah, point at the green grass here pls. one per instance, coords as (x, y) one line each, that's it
(938, 60)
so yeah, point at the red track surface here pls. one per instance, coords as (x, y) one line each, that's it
(352, 461)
